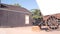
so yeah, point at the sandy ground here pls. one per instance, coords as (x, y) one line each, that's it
(25, 30)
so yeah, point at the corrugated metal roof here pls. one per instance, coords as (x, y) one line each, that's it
(12, 7)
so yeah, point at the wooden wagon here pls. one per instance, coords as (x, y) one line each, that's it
(50, 13)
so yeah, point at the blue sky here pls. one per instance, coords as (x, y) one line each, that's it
(29, 4)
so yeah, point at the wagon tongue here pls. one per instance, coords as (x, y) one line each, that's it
(49, 7)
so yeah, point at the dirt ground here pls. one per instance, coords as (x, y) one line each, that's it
(25, 30)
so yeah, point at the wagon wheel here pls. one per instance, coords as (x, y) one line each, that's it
(52, 23)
